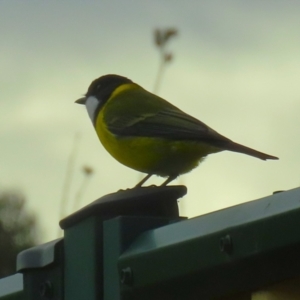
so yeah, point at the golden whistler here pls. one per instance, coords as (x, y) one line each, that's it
(149, 134)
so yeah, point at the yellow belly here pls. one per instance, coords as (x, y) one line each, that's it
(154, 155)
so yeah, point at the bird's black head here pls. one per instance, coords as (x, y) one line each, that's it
(102, 87)
(99, 92)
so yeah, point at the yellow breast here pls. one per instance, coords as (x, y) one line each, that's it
(152, 155)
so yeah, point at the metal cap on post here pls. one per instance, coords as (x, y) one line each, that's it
(145, 201)
(42, 269)
(96, 235)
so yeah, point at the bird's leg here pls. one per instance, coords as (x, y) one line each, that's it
(143, 180)
(170, 178)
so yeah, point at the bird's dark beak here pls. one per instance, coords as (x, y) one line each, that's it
(81, 100)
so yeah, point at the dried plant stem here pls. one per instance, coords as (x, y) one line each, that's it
(160, 71)
(68, 180)
(82, 188)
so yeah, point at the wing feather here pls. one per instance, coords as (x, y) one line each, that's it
(167, 123)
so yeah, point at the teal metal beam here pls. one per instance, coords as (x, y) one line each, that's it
(231, 250)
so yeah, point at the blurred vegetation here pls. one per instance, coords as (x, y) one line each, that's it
(18, 229)
(67, 202)
(68, 179)
(87, 172)
(161, 38)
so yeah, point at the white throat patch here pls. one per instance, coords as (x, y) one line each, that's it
(91, 105)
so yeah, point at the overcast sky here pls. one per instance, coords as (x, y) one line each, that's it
(236, 67)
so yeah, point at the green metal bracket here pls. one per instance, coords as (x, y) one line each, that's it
(118, 234)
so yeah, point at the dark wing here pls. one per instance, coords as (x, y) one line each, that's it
(147, 115)
(167, 123)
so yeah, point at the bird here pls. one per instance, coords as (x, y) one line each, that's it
(149, 134)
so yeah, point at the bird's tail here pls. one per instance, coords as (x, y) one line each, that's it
(235, 147)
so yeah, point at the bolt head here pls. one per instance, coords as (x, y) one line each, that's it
(226, 244)
(126, 276)
(46, 290)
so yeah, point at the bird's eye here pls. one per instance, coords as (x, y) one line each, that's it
(98, 87)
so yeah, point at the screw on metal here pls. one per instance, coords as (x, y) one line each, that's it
(226, 244)
(126, 276)
(46, 289)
